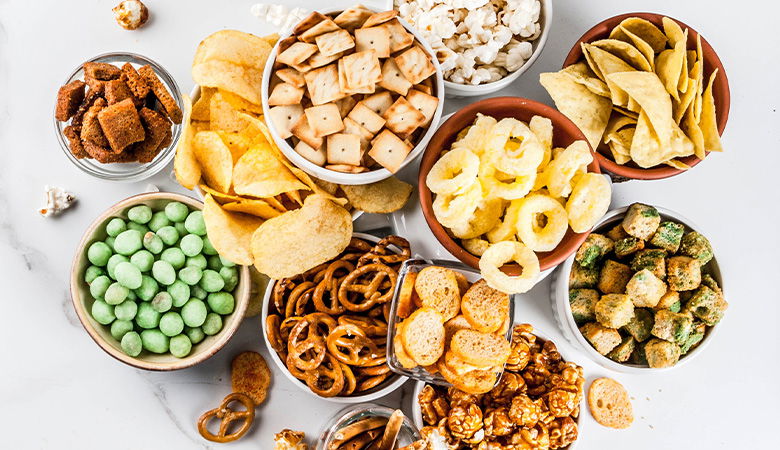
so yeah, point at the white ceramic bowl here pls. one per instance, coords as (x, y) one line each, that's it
(353, 178)
(559, 296)
(419, 385)
(466, 90)
(392, 383)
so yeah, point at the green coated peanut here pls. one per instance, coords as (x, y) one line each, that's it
(143, 229)
(198, 261)
(169, 235)
(226, 262)
(230, 275)
(113, 261)
(102, 312)
(194, 313)
(99, 286)
(214, 263)
(213, 324)
(153, 243)
(115, 226)
(179, 226)
(198, 293)
(132, 344)
(208, 249)
(143, 259)
(221, 302)
(120, 327)
(155, 341)
(93, 272)
(131, 294)
(173, 256)
(148, 289)
(116, 294)
(180, 346)
(171, 324)
(128, 242)
(191, 245)
(140, 214)
(163, 272)
(211, 281)
(126, 310)
(180, 293)
(159, 220)
(195, 224)
(176, 211)
(110, 242)
(190, 275)
(195, 334)
(128, 275)
(98, 253)
(146, 317)
(162, 302)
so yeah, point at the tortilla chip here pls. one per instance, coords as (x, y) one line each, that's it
(646, 31)
(669, 66)
(708, 121)
(647, 90)
(582, 74)
(645, 147)
(692, 129)
(644, 48)
(624, 51)
(230, 233)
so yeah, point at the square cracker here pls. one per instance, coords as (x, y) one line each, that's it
(283, 118)
(424, 88)
(399, 37)
(379, 102)
(380, 18)
(318, 60)
(334, 42)
(367, 118)
(393, 79)
(345, 105)
(297, 53)
(344, 148)
(361, 69)
(291, 76)
(368, 89)
(313, 155)
(285, 94)
(326, 26)
(353, 17)
(424, 103)
(304, 132)
(352, 127)
(324, 119)
(309, 21)
(389, 150)
(403, 118)
(323, 85)
(415, 65)
(376, 38)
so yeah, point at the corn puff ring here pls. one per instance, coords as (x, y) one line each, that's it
(562, 169)
(484, 219)
(506, 230)
(453, 172)
(541, 222)
(477, 136)
(503, 252)
(451, 210)
(514, 148)
(543, 129)
(588, 202)
(476, 246)
(509, 188)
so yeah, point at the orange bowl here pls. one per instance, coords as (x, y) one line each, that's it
(720, 91)
(564, 133)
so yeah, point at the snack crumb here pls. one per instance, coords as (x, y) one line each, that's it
(131, 14)
(57, 201)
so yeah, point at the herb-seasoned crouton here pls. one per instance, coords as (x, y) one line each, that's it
(640, 325)
(651, 259)
(613, 277)
(645, 289)
(672, 327)
(623, 351)
(696, 246)
(707, 305)
(614, 310)
(668, 236)
(595, 247)
(660, 353)
(683, 273)
(603, 339)
(583, 277)
(641, 221)
(628, 245)
(583, 302)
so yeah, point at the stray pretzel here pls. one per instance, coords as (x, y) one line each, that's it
(227, 417)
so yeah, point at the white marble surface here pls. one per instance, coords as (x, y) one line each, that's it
(59, 390)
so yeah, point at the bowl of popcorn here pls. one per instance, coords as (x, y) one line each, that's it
(351, 95)
(482, 46)
(643, 293)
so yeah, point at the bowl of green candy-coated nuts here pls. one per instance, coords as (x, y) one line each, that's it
(149, 287)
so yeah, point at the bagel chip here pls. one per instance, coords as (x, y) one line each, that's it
(229, 232)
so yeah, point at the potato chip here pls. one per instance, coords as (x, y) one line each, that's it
(185, 165)
(382, 197)
(647, 90)
(453, 172)
(200, 110)
(261, 173)
(503, 252)
(589, 201)
(239, 103)
(485, 218)
(561, 170)
(223, 116)
(241, 80)
(235, 47)
(452, 210)
(541, 222)
(230, 233)
(215, 160)
(238, 143)
(255, 207)
(590, 112)
(301, 239)
(709, 121)
(250, 375)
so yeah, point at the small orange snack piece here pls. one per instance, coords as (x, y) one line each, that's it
(250, 376)
(610, 404)
(121, 125)
(69, 98)
(158, 135)
(131, 14)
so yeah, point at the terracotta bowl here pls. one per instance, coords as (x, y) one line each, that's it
(711, 62)
(564, 133)
(101, 334)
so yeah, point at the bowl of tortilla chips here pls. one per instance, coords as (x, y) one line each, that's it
(648, 91)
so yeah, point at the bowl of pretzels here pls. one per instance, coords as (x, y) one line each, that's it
(327, 327)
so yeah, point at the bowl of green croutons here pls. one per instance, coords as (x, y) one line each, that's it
(643, 292)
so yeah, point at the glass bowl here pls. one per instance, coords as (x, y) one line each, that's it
(416, 265)
(124, 171)
(408, 434)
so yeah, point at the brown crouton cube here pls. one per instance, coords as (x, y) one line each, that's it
(78, 118)
(628, 246)
(69, 97)
(645, 289)
(134, 81)
(74, 141)
(614, 310)
(641, 221)
(104, 154)
(603, 339)
(96, 87)
(117, 90)
(162, 94)
(660, 353)
(121, 125)
(101, 71)
(157, 127)
(683, 273)
(90, 127)
(583, 277)
(653, 260)
(622, 352)
(614, 277)
(617, 233)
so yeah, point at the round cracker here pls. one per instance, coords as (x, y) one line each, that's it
(250, 375)
(610, 404)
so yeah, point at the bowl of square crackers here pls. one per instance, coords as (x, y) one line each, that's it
(352, 94)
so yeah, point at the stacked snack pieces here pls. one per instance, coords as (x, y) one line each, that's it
(370, 432)
(507, 193)
(117, 114)
(329, 324)
(258, 205)
(640, 96)
(352, 92)
(642, 294)
(534, 406)
(157, 281)
(452, 327)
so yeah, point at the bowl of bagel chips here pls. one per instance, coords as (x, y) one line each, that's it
(260, 209)
(649, 92)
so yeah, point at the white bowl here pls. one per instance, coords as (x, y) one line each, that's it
(390, 384)
(352, 178)
(559, 296)
(419, 385)
(467, 90)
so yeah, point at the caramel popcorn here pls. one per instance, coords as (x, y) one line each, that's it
(497, 422)
(563, 432)
(464, 421)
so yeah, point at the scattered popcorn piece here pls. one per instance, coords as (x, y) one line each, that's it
(131, 14)
(278, 15)
(57, 201)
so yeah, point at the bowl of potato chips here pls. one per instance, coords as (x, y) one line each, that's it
(510, 186)
(648, 91)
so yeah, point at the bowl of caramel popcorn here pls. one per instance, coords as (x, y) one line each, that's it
(536, 404)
